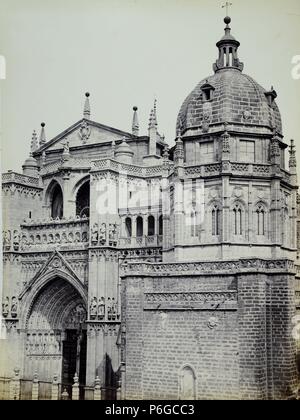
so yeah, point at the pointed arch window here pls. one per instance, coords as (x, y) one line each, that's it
(187, 381)
(238, 220)
(139, 226)
(260, 221)
(151, 226)
(160, 225)
(57, 202)
(128, 227)
(83, 200)
(216, 218)
(193, 221)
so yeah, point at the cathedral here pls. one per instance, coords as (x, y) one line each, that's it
(158, 272)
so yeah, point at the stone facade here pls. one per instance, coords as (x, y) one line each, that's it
(154, 273)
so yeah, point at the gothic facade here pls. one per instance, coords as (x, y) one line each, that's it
(164, 273)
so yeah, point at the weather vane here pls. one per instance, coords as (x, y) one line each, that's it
(227, 5)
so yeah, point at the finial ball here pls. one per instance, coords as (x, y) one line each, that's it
(87, 94)
(135, 108)
(227, 20)
(43, 124)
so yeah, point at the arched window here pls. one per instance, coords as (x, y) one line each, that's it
(160, 225)
(260, 221)
(187, 384)
(215, 215)
(238, 220)
(193, 224)
(128, 227)
(285, 226)
(139, 226)
(57, 202)
(151, 226)
(83, 200)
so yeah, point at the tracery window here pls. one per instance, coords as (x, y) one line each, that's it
(216, 219)
(83, 200)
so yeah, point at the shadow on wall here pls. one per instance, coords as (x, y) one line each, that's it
(111, 379)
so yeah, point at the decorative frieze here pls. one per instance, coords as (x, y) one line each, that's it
(59, 232)
(39, 343)
(190, 300)
(200, 268)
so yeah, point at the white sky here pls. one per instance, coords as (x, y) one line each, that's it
(126, 52)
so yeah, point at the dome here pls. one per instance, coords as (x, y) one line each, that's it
(124, 153)
(229, 96)
(30, 167)
(236, 99)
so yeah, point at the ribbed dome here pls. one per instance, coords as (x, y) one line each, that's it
(236, 98)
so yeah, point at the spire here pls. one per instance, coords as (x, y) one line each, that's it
(228, 47)
(43, 134)
(293, 163)
(153, 117)
(30, 166)
(135, 122)
(34, 143)
(292, 159)
(87, 108)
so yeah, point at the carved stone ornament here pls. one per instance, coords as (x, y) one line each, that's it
(84, 131)
(247, 115)
(213, 322)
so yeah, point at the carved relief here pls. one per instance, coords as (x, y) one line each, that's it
(247, 115)
(213, 322)
(56, 232)
(84, 131)
(207, 116)
(238, 192)
(41, 343)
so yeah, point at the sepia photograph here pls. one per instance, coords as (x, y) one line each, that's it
(150, 208)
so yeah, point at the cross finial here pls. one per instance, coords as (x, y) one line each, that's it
(227, 5)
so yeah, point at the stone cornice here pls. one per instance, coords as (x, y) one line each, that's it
(251, 265)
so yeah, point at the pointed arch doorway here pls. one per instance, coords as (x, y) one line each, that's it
(56, 334)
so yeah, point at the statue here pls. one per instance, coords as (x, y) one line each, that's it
(113, 232)
(101, 308)
(6, 240)
(93, 308)
(77, 237)
(102, 235)
(66, 148)
(14, 307)
(95, 235)
(113, 309)
(64, 238)
(16, 240)
(5, 307)
(85, 237)
(24, 242)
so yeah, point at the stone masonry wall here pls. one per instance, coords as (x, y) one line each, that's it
(232, 330)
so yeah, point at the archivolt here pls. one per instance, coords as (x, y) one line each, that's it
(50, 298)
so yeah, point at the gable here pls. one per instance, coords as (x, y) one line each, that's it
(55, 263)
(84, 133)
